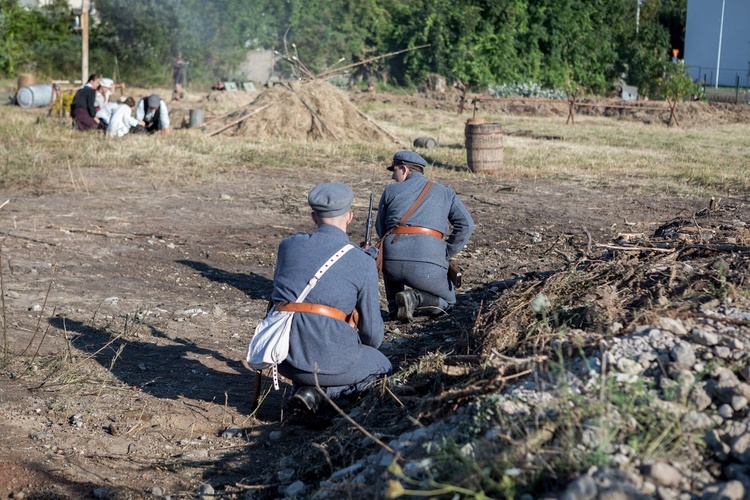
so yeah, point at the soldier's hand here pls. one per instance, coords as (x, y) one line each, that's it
(372, 251)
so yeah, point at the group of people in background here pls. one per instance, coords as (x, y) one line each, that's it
(92, 109)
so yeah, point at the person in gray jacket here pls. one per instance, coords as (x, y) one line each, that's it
(345, 358)
(415, 252)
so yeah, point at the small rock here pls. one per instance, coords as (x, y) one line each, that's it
(723, 352)
(285, 475)
(699, 397)
(683, 355)
(225, 196)
(42, 435)
(583, 488)
(157, 491)
(696, 421)
(672, 325)
(232, 432)
(726, 411)
(206, 491)
(102, 493)
(733, 490)
(703, 337)
(628, 366)
(35, 308)
(663, 474)
(275, 435)
(739, 402)
(294, 489)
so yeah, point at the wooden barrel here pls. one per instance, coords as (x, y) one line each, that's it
(25, 80)
(425, 142)
(484, 147)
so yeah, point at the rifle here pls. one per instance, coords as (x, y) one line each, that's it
(368, 225)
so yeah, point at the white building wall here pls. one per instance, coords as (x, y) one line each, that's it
(702, 41)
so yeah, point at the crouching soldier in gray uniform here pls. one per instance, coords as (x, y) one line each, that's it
(347, 359)
(415, 252)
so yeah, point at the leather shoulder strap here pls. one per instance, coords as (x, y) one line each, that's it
(416, 203)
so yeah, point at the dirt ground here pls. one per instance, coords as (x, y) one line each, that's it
(132, 309)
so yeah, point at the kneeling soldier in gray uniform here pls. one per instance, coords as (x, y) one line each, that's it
(413, 219)
(346, 358)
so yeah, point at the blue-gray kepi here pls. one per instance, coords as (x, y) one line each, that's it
(153, 101)
(330, 199)
(409, 158)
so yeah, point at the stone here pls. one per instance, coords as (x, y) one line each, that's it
(275, 435)
(232, 432)
(699, 397)
(157, 491)
(726, 411)
(683, 355)
(739, 402)
(206, 491)
(628, 366)
(672, 325)
(42, 435)
(583, 488)
(285, 475)
(663, 474)
(348, 471)
(732, 490)
(703, 337)
(696, 421)
(294, 489)
(723, 352)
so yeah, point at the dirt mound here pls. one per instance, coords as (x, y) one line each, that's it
(303, 111)
(636, 273)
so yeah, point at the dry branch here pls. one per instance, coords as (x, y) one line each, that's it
(393, 138)
(240, 120)
(315, 115)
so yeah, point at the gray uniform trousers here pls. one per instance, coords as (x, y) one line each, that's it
(417, 260)
(346, 359)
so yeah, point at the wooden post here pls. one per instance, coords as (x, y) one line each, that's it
(85, 41)
(571, 110)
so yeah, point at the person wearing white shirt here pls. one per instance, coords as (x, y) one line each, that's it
(105, 91)
(122, 121)
(152, 110)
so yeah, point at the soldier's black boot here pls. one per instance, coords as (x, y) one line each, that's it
(407, 301)
(428, 304)
(306, 400)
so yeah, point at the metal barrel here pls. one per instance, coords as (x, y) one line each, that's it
(197, 117)
(34, 96)
(484, 147)
(425, 142)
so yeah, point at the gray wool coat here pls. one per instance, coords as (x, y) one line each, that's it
(351, 282)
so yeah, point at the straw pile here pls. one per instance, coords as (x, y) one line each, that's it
(305, 111)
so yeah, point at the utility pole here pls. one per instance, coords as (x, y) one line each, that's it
(637, 16)
(721, 33)
(85, 41)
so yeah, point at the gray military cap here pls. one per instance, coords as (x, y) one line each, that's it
(408, 157)
(153, 101)
(330, 199)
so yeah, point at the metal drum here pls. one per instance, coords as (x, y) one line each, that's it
(197, 117)
(34, 96)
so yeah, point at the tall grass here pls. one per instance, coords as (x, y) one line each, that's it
(42, 151)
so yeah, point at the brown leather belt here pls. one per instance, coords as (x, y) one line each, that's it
(306, 307)
(417, 230)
